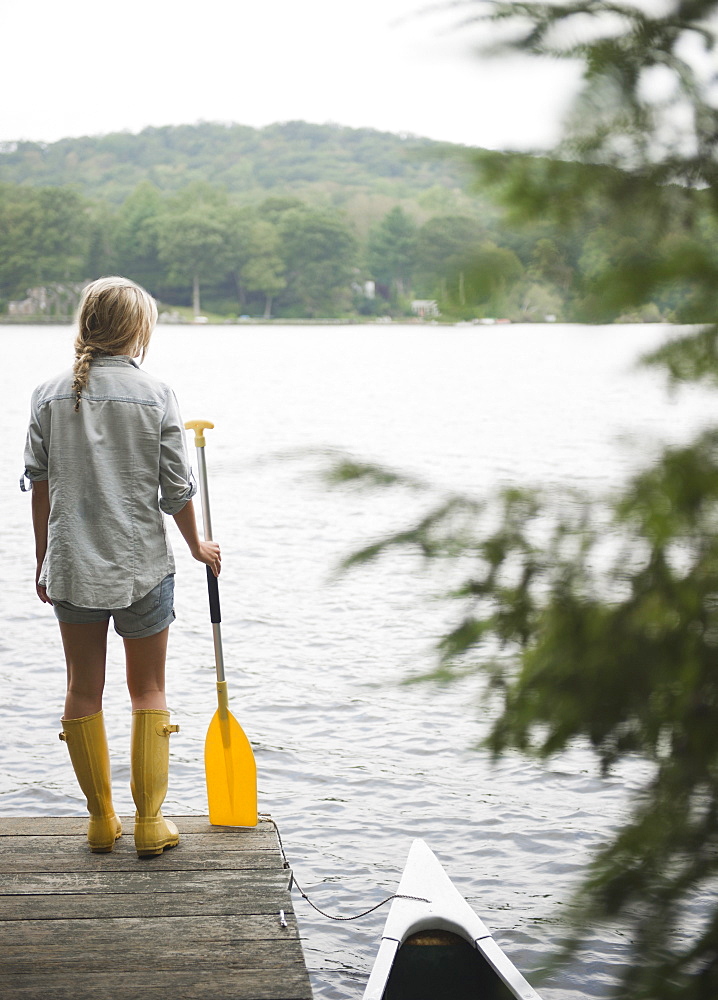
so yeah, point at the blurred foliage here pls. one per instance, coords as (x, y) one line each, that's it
(636, 176)
(598, 625)
(595, 621)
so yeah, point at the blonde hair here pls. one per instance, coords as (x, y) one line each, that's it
(116, 316)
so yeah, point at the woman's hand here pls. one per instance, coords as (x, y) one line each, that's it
(41, 591)
(209, 554)
(204, 552)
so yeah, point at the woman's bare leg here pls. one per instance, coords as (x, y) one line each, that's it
(85, 653)
(145, 659)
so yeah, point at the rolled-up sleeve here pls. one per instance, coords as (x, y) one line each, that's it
(177, 484)
(35, 446)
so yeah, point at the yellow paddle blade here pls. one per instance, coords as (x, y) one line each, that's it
(231, 772)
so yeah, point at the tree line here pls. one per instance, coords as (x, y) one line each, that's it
(284, 256)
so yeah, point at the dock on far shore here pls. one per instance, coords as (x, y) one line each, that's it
(202, 921)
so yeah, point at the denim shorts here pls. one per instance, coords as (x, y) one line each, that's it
(147, 616)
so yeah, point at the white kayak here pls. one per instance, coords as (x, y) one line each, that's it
(434, 947)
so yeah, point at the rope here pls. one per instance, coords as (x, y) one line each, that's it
(357, 916)
(293, 882)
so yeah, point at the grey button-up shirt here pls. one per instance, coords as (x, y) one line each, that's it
(112, 467)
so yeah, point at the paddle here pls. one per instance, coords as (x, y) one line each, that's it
(228, 759)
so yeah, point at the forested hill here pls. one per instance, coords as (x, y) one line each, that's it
(298, 221)
(297, 157)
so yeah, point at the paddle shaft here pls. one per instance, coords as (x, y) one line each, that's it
(212, 585)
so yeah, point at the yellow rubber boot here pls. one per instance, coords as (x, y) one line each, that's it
(150, 765)
(87, 742)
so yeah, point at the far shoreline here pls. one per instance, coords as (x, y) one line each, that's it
(259, 321)
(20, 321)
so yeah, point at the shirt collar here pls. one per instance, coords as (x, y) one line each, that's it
(113, 360)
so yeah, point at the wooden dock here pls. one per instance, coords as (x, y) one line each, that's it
(199, 922)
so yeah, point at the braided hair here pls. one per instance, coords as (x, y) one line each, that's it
(116, 316)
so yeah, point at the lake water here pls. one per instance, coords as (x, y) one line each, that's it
(352, 764)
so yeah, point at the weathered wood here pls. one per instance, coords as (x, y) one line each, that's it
(207, 984)
(149, 903)
(191, 842)
(172, 957)
(201, 921)
(109, 932)
(75, 826)
(141, 881)
(127, 860)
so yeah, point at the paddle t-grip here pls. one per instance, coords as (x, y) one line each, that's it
(199, 427)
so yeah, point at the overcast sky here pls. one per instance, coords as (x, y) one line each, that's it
(85, 67)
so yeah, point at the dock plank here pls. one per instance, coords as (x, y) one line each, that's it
(76, 826)
(207, 984)
(250, 900)
(143, 881)
(200, 921)
(123, 858)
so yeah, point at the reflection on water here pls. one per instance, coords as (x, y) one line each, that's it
(351, 763)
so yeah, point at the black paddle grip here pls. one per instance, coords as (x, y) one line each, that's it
(214, 613)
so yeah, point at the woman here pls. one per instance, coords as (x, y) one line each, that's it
(105, 439)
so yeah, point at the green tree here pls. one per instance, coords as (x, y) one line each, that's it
(492, 273)
(43, 237)
(549, 265)
(101, 230)
(193, 238)
(255, 256)
(240, 223)
(445, 247)
(461, 267)
(272, 209)
(264, 271)
(319, 252)
(137, 236)
(614, 648)
(392, 251)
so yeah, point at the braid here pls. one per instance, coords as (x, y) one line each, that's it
(81, 370)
